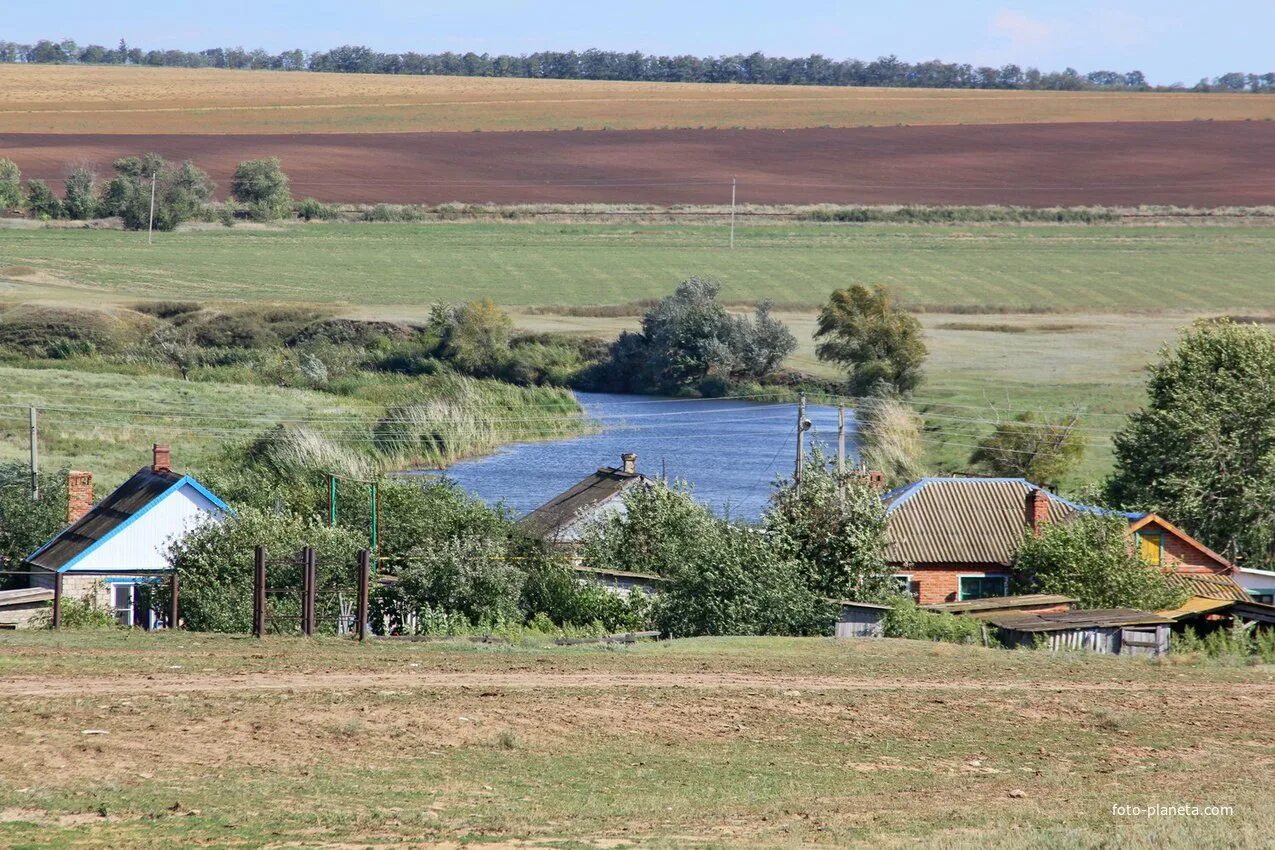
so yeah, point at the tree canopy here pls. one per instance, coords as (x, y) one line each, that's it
(180, 191)
(1092, 559)
(878, 343)
(1202, 450)
(1040, 450)
(263, 187)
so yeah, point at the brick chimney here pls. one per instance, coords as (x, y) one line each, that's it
(163, 458)
(875, 479)
(1036, 511)
(628, 463)
(79, 495)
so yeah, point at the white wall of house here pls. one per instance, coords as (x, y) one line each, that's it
(141, 545)
(1259, 583)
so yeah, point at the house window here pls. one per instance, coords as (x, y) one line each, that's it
(1151, 547)
(905, 584)
(981, 587)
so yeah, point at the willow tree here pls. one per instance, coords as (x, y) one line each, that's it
(878, 343)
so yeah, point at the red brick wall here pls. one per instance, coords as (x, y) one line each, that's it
(1180, 556)
(941, 582)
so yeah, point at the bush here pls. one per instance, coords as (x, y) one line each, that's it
(168, 309)
(229, 330)
(1092, 560)
(392, 212)
(82, 198)
(41, 201)
(26, 525)
(10, 184)
(471, 577)
(1237, 644)
(215, 565)
(180, 192)
(311, 210)
(77, 614)
(261, 186)
(906, 619)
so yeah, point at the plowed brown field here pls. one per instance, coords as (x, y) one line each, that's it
(1183, 163)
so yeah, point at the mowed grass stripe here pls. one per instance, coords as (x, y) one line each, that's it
(1110, 269)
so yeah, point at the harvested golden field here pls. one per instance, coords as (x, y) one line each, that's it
(86, 99)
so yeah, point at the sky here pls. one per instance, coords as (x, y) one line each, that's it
(1169, 40)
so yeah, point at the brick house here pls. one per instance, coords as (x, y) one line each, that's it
(111, 554)
(954, 539)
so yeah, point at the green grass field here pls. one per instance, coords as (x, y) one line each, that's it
(379, 267)
(149, 741)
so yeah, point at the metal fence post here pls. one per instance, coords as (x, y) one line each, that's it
(57, 600)
(309, 592)
(174, 592)
(259, 592)
(365, 578)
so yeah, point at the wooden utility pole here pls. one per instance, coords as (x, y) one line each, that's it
(35, 455)
(150, 226)
(259, 592)
(174, 594)
(365, 579)
(801, 440)
(841, 442)
(732, 213)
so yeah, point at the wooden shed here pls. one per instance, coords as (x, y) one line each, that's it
(1036, 603)
(1111, 631)
(861, 619)
(19, 607)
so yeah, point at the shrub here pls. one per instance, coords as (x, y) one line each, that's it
(472, 577)
(25, 525)
(215, 565)
(180, 191)
(10, 184)
(41, 201)
(82, 198)
(262, 187)
(168, 309)
(310, 210)
(1092, 560)
(906, 619)
(230, 330)
(77, 614)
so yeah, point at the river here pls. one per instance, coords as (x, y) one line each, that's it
(728, 451)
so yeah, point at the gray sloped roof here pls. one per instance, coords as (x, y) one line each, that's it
(554, 519)
(964, 520)
(128, 499)
(1083, 619)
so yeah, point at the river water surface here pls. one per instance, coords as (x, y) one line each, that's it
(728, 451)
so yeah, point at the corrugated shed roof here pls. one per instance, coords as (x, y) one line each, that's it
(555, 515)
(964, 520)
(1210, 586)
(1059, 621)
(1196, 605)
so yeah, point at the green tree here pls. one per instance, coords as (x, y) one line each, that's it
(722, 579)
(1092, 559)
(878, 343)
(81, 200)
(41, 201)
(181, 191)
(11, 196)
(835, 530)
(26, 525)
(477, 338)
(263, 187)
(1040, 450)
(472, 577)
(1202, 450)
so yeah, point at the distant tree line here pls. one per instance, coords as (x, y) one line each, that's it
(634, 66)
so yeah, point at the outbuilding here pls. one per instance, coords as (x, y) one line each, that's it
(861, 619)
(1110, 631)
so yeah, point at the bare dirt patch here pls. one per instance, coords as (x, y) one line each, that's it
(1203, 164)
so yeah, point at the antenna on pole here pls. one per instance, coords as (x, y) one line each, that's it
(150, 225)
(732, 213)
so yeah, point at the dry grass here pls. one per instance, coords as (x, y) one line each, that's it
(70, 99)
(700, 743)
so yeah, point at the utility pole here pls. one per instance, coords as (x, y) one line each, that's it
(802, 424)
(150, 226)
(732, 213)
(841, 441)
(35, 456)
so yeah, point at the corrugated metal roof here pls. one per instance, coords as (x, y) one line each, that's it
(1023, 621)
(964, 520)
(1210, 586)
(1197, 605)
(1005, 603)
(560, 512)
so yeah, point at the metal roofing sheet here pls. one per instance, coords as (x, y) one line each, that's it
(994, 603)
(1023, 621)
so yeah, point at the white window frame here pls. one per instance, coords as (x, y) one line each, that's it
(960, 596)
(909, 580)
